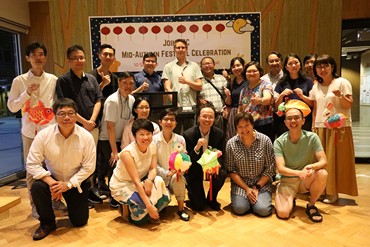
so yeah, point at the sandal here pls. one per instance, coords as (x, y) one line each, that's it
(313, 214)
(183, 215)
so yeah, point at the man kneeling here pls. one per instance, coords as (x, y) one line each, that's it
(301, 161)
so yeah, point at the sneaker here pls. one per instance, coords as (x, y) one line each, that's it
(183, 215)
(329, 199)
(103, 187)
(59, 205)
(94, 198)
(113, 203)
(99, 193)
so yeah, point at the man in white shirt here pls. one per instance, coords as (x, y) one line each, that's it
(184, 77)
(116, 115)
(69, 153)
(34, 90)
(274, 61)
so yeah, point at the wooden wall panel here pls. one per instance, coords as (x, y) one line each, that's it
(356, 9)
(287, 25)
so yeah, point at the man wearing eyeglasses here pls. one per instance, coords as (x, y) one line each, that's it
(148, 80)
(81, 88)
(301, 161)
(274, 61)
(116, 115)
(69, 153)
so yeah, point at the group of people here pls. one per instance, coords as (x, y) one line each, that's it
(97, 140)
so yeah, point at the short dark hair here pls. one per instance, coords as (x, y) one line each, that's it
(291, 109)
(243, 116)
(142, 124)
(251, 63)
(150, 54)
(309, 56)
(124, 75)
(104, 46)
(208, 104)
(35, 45)
(201, 61)
(136, 103)
(64, 102)
(325, 59)
(74, 48)
(168, 111)
(182, 41)
(278, 54)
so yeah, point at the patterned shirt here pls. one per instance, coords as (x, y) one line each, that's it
(262, 114)
(250, 163)
(209, 93)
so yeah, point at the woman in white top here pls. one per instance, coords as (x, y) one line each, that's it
(134, 182)
(336, 92)
(140, 110)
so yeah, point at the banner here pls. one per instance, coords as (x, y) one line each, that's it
(221, 37)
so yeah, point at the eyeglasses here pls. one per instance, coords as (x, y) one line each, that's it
(41, 54)
(180, 47)
(107, 54)
(77, 58)
(63, 114)
(166, 119)
(323, 67)
(291, 118)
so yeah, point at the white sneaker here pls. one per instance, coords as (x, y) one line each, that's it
(59, 205)
(329, 199)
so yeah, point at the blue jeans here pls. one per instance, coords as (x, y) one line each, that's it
(263, 207)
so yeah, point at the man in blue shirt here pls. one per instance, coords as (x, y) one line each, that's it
(148, 80)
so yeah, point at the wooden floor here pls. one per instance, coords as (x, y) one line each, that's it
(345, 224)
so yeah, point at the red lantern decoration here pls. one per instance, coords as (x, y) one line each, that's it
(207, 28)
(168, 29)
(117, 30)
(143, 30)
(156, 29)
(194, 28)
(130, 30)
(220, 27)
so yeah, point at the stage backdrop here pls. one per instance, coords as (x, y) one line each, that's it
(219, 36)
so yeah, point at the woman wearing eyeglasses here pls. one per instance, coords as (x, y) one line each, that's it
(293, 85)
(332, 95)
(255, 98)
(140, 110)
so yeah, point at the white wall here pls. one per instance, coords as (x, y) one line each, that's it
(365, 89)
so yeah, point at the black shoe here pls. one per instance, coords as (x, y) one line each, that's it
(113, 203)
(43, 231)
(183, 215)
(215, 205)
(103, 187)
(93, 198)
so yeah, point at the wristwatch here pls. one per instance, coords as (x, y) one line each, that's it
(258, 187)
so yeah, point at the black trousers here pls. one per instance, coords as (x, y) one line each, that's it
(102, 165)
(194, 179)
(78, 211)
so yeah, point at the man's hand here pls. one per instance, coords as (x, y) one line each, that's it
(57, 189)
(105, 79)
(89, 125)
(32, 87)
(202, 142)
(113, 159)
(306, 172)
(252, 195)
(182, 79)
(144, 86)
